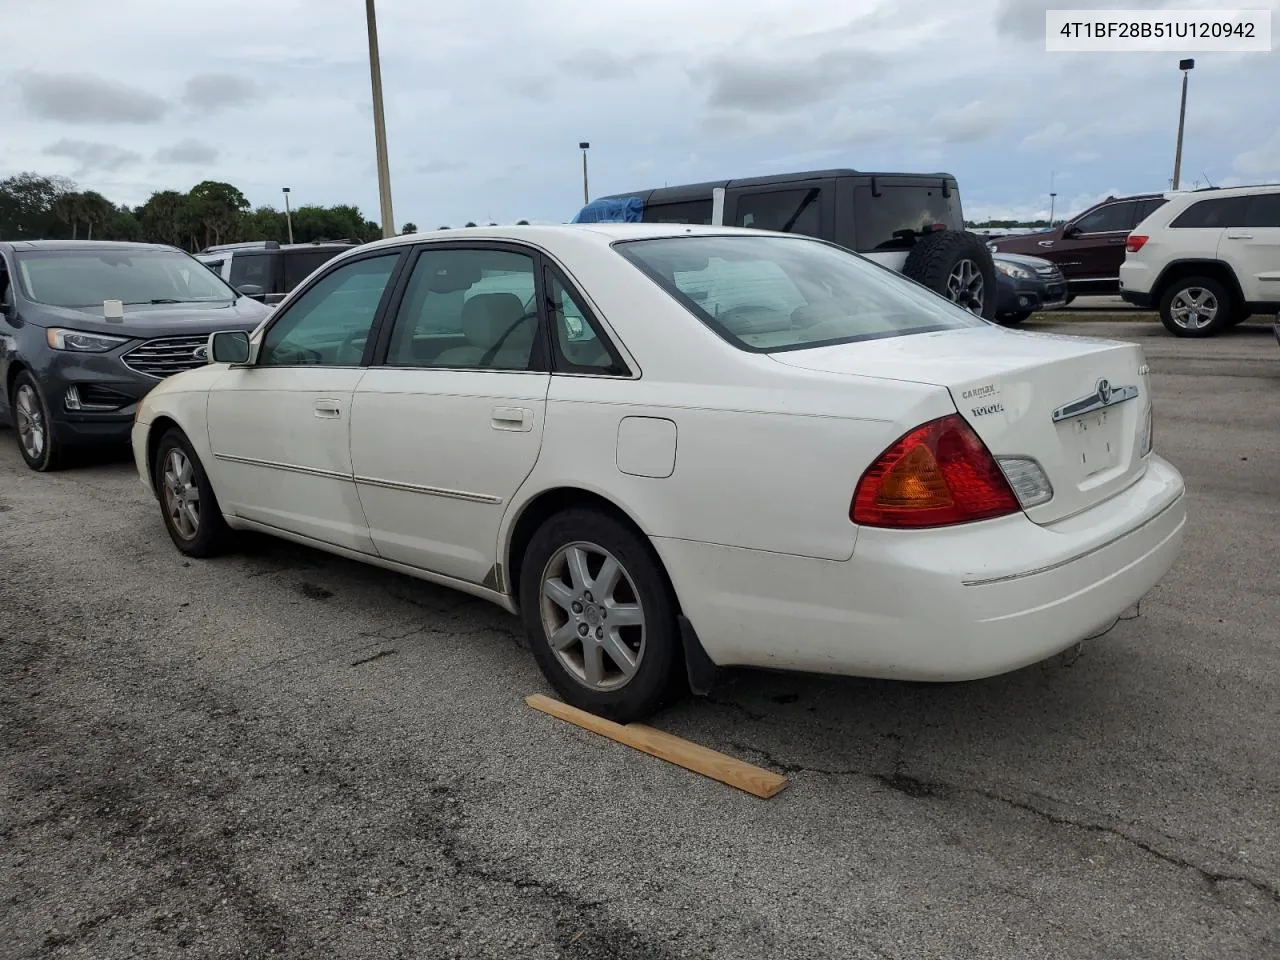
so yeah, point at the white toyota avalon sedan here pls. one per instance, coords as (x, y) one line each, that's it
(670, 449)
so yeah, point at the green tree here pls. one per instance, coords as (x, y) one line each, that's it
(470, 223)
(409, 227)
(522, 223)
(167, 217)
(96, 209)
(27, 205)
(219, 208)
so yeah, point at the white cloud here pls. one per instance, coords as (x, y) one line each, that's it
(976, 120)
(1262, 160)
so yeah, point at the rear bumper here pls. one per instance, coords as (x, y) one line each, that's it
(1136, 298)
(940, 605)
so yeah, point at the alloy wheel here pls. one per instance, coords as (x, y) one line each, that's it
(30, 421)
(592, 617)
(181, 494)
(965, 286)
(1193, 308)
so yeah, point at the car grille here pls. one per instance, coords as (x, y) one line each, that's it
(167, 355)
(1049, 273)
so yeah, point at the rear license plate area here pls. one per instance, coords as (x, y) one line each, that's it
(1094, 441)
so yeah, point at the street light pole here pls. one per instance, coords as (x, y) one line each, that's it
(584, 147)
(1186, 66)
(288, 217)
(379, 124)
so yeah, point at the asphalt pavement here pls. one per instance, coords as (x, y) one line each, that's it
(280, 753)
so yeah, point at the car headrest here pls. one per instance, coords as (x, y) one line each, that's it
(488, 316)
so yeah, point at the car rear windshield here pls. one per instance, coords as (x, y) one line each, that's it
(769, 294)
(889, 217)
(85, 278)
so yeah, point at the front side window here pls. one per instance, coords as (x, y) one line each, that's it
(467, 309)
(1108, 219)
(330, 322)
(86, 278)
(767, 294)
(786, 211)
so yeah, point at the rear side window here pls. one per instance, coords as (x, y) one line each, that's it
(786, 211)
(896, 218)
(1109, 219)
(769, 294)
(299, 266)
(252, 268)
(1264, 210)
(1214, 213)
(688, 211)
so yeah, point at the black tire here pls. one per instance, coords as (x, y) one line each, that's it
(643, 582)
(211, 534)
(936, 256)
(1240, 316)
(51, 452)
(1012, 319)
(1223, 312)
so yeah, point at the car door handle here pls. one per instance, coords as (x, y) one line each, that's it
(1239, 236)
(328, 409)
(1116, 241)
(518, 419)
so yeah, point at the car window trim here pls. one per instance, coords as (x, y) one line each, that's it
(298, 293)
(560, 364)
(1242, 200)
(1251, 203)
(540, 361)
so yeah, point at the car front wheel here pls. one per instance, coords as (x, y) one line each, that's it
(37, 437)
(600, 615)
(1196, 307)
(191, 512)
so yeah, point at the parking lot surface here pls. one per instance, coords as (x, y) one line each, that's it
(281, 753)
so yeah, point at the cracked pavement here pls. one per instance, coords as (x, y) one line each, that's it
(279, 753)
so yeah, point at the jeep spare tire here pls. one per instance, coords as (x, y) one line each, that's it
(958, 265)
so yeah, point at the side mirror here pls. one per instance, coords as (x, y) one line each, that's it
(250, 290)
(1071, 230)
(229, 346)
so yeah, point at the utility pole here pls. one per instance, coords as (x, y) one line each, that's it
(288, 217)
(1186, 66)
(379, 124)
(1053, 197)
(584, 147)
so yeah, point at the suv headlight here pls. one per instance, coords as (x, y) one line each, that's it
(79, 342)
(1013, 270)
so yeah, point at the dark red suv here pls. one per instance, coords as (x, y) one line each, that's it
(1089, 247)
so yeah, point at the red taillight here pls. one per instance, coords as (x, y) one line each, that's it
(938, 474)
(1135, 242)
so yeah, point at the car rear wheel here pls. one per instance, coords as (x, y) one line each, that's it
(958, 265)
(600, 615)
(37, 436)
(1195, 307)
(190, 509)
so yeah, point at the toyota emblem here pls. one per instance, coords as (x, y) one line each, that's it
(1104, 391)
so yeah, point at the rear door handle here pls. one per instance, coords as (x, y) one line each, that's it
(1118, 241)
(518, 419)
(1239, 236)
(328, 409)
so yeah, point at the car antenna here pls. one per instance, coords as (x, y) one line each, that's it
(1207, 180)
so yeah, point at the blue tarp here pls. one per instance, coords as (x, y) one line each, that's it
(623, 210)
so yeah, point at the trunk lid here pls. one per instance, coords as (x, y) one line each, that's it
(1076, 405)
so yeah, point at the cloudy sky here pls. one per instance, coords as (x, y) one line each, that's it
(486, 100)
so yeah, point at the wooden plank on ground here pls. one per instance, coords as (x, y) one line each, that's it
(710, 763)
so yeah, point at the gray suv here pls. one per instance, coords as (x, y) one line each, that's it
(87, 328)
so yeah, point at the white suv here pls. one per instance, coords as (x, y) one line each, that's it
(1208, 259)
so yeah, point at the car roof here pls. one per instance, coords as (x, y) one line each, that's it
(1205, 193)
(603, 233)
(81, 245)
